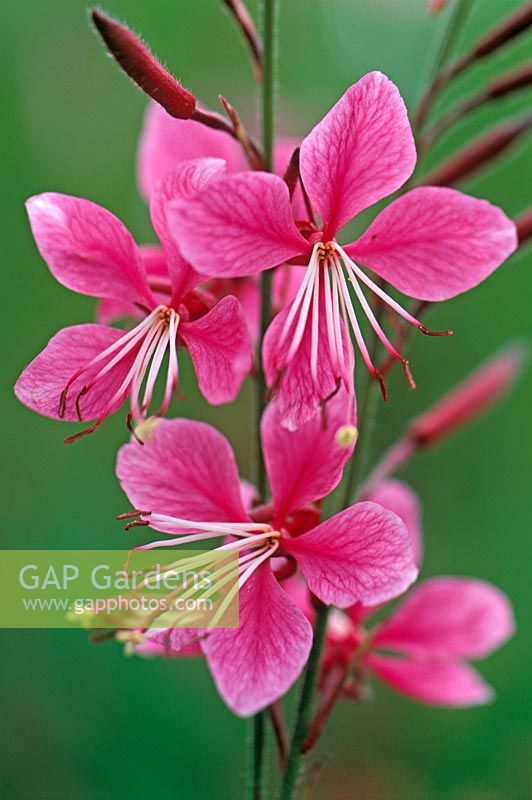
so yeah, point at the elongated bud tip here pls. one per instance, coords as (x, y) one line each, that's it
(472, 397)
(347, 435)
(523, 224)
(435, 6)
(143, 68)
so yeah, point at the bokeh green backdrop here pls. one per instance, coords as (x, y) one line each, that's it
(80, 721)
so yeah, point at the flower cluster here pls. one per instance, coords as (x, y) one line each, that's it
(221, 222)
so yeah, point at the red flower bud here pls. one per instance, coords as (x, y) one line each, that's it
(471, 398)
(143, 68)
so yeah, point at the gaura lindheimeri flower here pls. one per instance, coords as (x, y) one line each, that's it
(187, 481)
(422, 649)
(87, 371)
(165, 142)
(432, 243)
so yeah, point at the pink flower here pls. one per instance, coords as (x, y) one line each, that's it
(432, 243)
(87, 371)
(187, 477)
(428, 640)
(166, 142)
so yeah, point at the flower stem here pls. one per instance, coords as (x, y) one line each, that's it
(269, 9)
(269, 48)
(256, 753)
(305, 705)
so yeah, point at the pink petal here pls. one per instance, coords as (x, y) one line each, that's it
(282, 153)
(240, 225)
(186, 470)
(42, 382)
(403, 501)
(156, 270)
(87, 248)
(306, 464)
(246, 291)
(361, 151)
(220, 350)
(286, 282)
(165, 142)
(170, 642)
(440, 683)
(361, 554)
(183, 183)
(434, 243)
(298, 397)
(449, 617)
(256, 663)
(248, 493)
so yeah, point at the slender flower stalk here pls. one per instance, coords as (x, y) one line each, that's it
(479, 154)
(267, 73)
(516, 23)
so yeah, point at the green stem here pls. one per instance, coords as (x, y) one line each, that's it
(256, 751)
(269, 9)
(305, 705)
(269, 44)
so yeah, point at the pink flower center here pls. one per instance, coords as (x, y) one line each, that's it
(147, 345)
(325, 285)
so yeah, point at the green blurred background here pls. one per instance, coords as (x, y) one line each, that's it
(82, 721)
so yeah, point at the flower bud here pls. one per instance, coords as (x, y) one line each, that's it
(479, 153)
(523, 223)
(143, 68)
(471, 398)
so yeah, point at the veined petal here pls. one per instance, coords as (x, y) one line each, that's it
(240, 225)
(187, 470)
(362, 554)
(87, 248)
(361, 151)
(449, 617)
(187, 180)
(220, 349)
(434, 243)
(171, 642)
(396, 496)
(156, 269)
(298, 395)
(41, 384)
(306, 464)
(255, 664)
(440, 683)
(165, 142)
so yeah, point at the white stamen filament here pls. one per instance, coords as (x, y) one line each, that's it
(154, 336)
(329, 261)
(255, 542)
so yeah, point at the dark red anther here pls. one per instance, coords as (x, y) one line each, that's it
(143, 68)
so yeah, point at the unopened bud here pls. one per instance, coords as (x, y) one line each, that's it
(435, 6)
(347, 435)
(504, 32)
(478, 154)
(143, 68)
(523, 223)
(471, 398)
